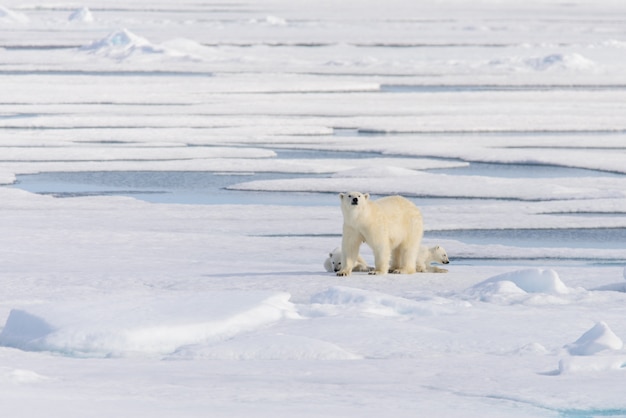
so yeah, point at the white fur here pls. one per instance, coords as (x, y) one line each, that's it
(391, 226)
(333, 262)
(436, 254)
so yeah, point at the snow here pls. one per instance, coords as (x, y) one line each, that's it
(507, 133)
(597, 339)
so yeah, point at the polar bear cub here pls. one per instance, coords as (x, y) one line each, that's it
(333, 262)
(392, 226)
(436, 254)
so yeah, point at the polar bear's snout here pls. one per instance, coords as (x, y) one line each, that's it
(355, 200)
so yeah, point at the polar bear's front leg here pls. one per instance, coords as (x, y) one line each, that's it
(350, 244)
(382, 256)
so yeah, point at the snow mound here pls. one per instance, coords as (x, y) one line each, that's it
(614, 43)
(120, 43)
(531, 349)
(561, 62)
(375, 172)
(599, 338)
(124, 44)
(533, 280)
(269, 20)
(11, 16)
(275, 21)
(160, 325)
(497, 292)
(552, 62)
(81, 15)
(184, 45)
(23, 376)
(266, 347)
(369, 303)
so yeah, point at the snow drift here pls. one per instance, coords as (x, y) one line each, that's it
(367, 302)
(123, 45)
(119, 327)
(534, 280)
(81, 15)
(597, 339)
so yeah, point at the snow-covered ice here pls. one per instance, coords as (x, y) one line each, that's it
(204, 144)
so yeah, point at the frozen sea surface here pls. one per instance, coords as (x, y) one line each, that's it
(169, 192)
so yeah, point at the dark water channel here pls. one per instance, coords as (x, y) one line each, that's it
(185, 187)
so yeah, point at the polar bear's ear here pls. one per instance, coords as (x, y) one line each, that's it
(437, 247)
(366, 195)
(342, 195)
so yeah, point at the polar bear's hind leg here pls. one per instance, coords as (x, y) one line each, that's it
(407, 260)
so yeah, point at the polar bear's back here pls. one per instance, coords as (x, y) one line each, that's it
(398, 206)
(396, 201)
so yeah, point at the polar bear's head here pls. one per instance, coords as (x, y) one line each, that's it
(353, 198)
(333, 262)
(440, 255)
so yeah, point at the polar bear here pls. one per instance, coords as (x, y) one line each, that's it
(392, 226)
(333, 262)
(436, 254)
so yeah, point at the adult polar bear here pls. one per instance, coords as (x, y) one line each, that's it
(391, 226)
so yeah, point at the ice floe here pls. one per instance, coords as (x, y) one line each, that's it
(441, 185)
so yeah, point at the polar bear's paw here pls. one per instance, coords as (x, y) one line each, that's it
(343, 272)
(402, 271)
(434, 269)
